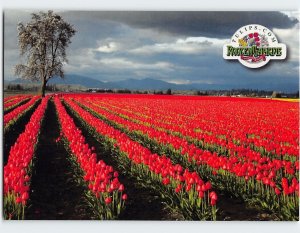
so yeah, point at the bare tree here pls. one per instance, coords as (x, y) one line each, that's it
(43, 42)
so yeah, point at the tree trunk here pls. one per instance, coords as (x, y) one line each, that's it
(43, 87)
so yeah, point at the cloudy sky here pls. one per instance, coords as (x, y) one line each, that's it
(177, 47)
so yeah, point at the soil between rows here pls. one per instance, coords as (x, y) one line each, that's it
(54, 193)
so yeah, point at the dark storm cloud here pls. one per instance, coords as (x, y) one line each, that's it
(200, 23)
(166, 46)
(220, 71)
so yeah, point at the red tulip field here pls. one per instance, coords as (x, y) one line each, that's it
(150, 157)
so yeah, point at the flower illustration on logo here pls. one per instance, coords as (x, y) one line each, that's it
(254, 46)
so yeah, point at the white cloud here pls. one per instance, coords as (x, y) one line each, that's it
(87, 61)
(123, 63)
(290, 37)
(179, 81)
(189, 45)
(292, 14)
(108, 48)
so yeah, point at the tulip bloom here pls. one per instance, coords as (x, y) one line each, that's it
(108, 200)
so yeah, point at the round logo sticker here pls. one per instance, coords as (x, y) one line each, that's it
(254, 46)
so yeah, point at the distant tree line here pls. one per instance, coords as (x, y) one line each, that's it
(233, 92)
(15, 87)
(37, 87)
(249, 93)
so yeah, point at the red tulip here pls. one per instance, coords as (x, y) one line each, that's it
(166, 181)
(121, 187)
(178, 188)
(18, 200)
(200, 194)
(108, 200)
(24, 196)
(213, 202)
(277, 191)
(213, 196)
(124, 196)
(207, 185)
(188, 188)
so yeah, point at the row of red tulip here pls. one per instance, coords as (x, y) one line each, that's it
(182, 186)
(10, 118)
(230, 140)
(10, 98)
(227, 126)
(209, 142)
(181, 144)
(106, 192)
(264, 170)
(13, 97)
(15, 102)
(17, 171)
(244, 154)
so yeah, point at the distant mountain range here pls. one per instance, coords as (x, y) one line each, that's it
(147, 84)
(70, 80)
